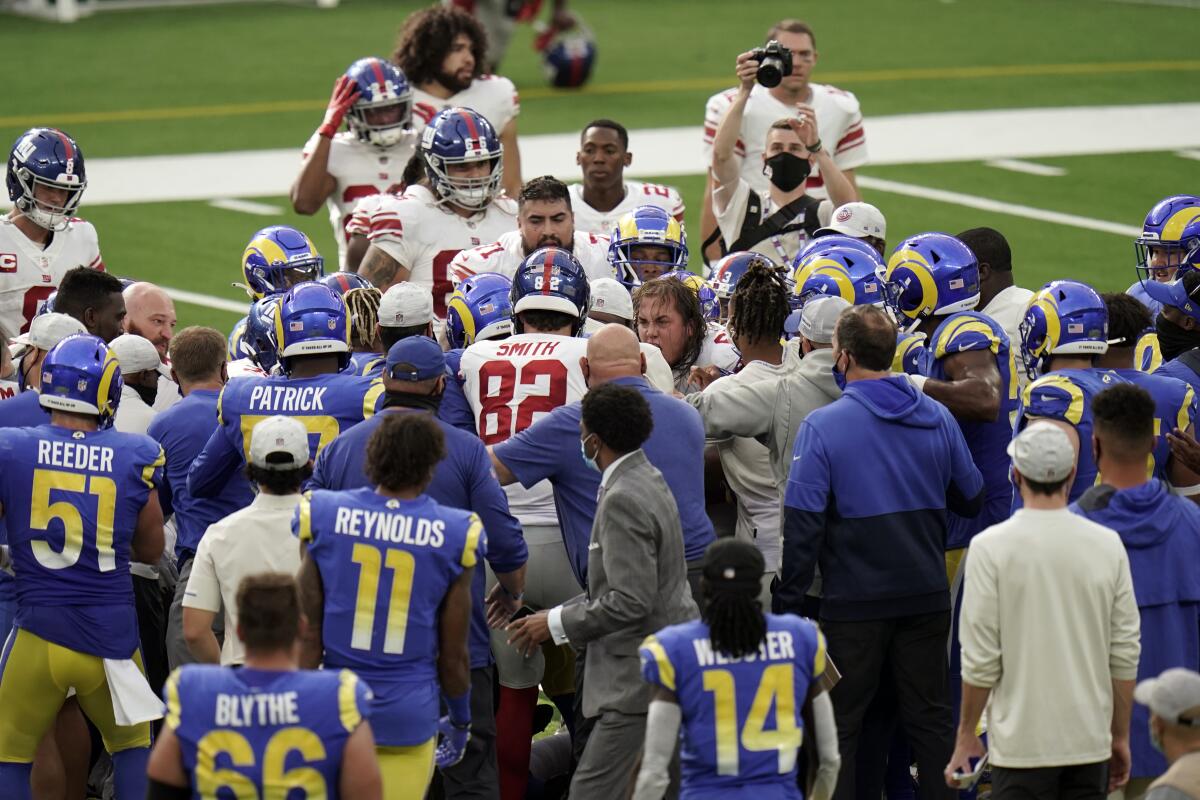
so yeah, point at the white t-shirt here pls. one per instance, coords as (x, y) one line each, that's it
(839, 124)
(505, 255)
(493, 96)
(133, 415)
(360, 169)
(636, 194)
(781, 248)
(424, 235)
(254, 539)
(29, 273)
(747, 467)
(1008, 309)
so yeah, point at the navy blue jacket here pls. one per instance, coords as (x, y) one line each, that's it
(873, 475)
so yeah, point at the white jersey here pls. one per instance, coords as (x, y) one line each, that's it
(781, 248)
(8, 388)
(493, 96)
(505, 255)
(839, 124)
(511, 384)
(636, 194)
(716, 351)
(423, 235)
(29, 273)
(360, 169)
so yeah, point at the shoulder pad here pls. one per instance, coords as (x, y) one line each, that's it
(1055, 396)
(962, 333)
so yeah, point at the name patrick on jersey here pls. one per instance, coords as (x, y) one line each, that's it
(288, 398)
(263, 709)
(389, 527)
(74, 455)
(777, 647)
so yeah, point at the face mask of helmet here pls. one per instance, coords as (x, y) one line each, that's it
(380, 135)
(46, 214)
(474, 192)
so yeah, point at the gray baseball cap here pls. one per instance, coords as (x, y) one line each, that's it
(1043, 452)
(1173, 695)
(819, 318)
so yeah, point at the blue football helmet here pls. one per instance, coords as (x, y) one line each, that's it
(1172, 233)
(710, 306)
(551, 279)
(730, 269)
(479, 309)
(342, 282)
(849, 273)
(259, 340)
(646, 226)
(930, 274)
(278, 258)
(49, 158)
(830, 241)
(310, 319)
(568, 55)
(381, 85)
(458, 136)
(1063, 318)
(80, 374)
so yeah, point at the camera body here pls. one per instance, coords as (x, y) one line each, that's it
(774, 63)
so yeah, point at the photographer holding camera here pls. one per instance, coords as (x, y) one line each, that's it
(779, 221)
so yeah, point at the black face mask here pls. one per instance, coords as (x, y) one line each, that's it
(148, 393)
(1173, 340)
(787, 171)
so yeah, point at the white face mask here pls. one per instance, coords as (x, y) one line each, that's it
(385, 137)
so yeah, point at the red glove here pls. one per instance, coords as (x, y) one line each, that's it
(345, 95)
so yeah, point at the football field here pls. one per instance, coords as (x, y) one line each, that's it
(247, 81)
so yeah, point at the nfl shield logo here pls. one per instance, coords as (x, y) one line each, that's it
(331, 323)
(81, 384)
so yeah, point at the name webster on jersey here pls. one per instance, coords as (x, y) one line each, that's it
(244, 711)
(70, 455)
(777, 647)
(389, 527)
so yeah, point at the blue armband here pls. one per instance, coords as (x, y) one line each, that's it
(459, 708)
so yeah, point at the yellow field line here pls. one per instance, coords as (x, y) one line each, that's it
(631, 87)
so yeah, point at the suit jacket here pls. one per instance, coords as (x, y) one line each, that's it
(637, 584)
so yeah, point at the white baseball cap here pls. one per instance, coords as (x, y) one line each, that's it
(859, 220)
(818, 320)
(1173, 695)
(136, 354)
(1043, 452)
(404, 305)
(611, 297)
(279, 443)
(47, 330)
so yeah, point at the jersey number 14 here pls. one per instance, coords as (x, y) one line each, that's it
(775, 688)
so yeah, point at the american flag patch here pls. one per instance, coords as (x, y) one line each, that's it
(1074, 327)
(296, 326)
(957, 283)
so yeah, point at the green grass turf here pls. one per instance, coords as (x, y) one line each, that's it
(216, 55)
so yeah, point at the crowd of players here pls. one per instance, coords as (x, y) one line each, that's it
(490, 307)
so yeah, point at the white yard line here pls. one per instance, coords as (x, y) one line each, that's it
(208, 300)
(246, 206)
(1194, 155)
(1026, 167)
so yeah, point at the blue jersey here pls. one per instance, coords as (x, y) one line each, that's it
(1138, 293)
(386, 565)
(23, 411)
(263, 733)
(966, 332)
(1066, 395)
(368, 364)
(742, 722)
(71, 500)
(326, 404)
(464, 480)
(1147, 356)
(1178, 368)
(1174, 407)
(454, 407)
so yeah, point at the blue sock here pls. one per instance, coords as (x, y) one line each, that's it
(15, 780)
(129, 773)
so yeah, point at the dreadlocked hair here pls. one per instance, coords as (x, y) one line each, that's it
(729, 585)
(759, 306)
(362, 305)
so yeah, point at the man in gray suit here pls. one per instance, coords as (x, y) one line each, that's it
(637, 583)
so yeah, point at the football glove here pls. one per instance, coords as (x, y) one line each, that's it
(345, 94)
(452, 745)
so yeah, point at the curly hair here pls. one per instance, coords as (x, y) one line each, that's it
(619, 415)
(687, 303)
(426, 38)
(362, 305)
(403, 451)
(760, 304)
(1128, 319)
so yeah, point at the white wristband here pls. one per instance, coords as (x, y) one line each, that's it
(918, 381)
(1186, 491)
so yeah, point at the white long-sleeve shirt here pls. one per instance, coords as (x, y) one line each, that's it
(1055, 589)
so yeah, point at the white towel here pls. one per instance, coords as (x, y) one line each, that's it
(132, 698)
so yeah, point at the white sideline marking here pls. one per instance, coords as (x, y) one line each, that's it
(207, 300)
(1027, 167)
(246, 206)
(1192, 154)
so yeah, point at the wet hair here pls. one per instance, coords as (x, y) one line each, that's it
(618, 415)
(1128, 319)
(279, 481)
(868, 334)
(1123, 420)
(622, 134)
(427, 36)
(403, 451)
(730, 584)
(197, 353)
(989, 246)
(83, 288)
(268, 611)
(760, 304)
(680, 297)
(546, 189)
(362, 312)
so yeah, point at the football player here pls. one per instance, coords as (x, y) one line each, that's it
(1169, 245)
(604, 196)
(1174, 400)
(276, 728)
(312, 337)
(647, 243)
(544, 219)
(714, 679)
(480, 309)
(1064, 332)
(443, 51)
(79, 503)
(375, 99)
(668, 315)
(456, 205)
(40, 238)
(729, 270)
(366, 348)
(386, 584)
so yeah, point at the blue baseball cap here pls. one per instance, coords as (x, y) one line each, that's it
(1182, 294)
(415, 358)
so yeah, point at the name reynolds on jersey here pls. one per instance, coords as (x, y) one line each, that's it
(288, 398)
(777, 647)
(388, 527)
(246, 710)
(72, 455)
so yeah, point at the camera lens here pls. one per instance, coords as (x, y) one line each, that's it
(770, 72)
